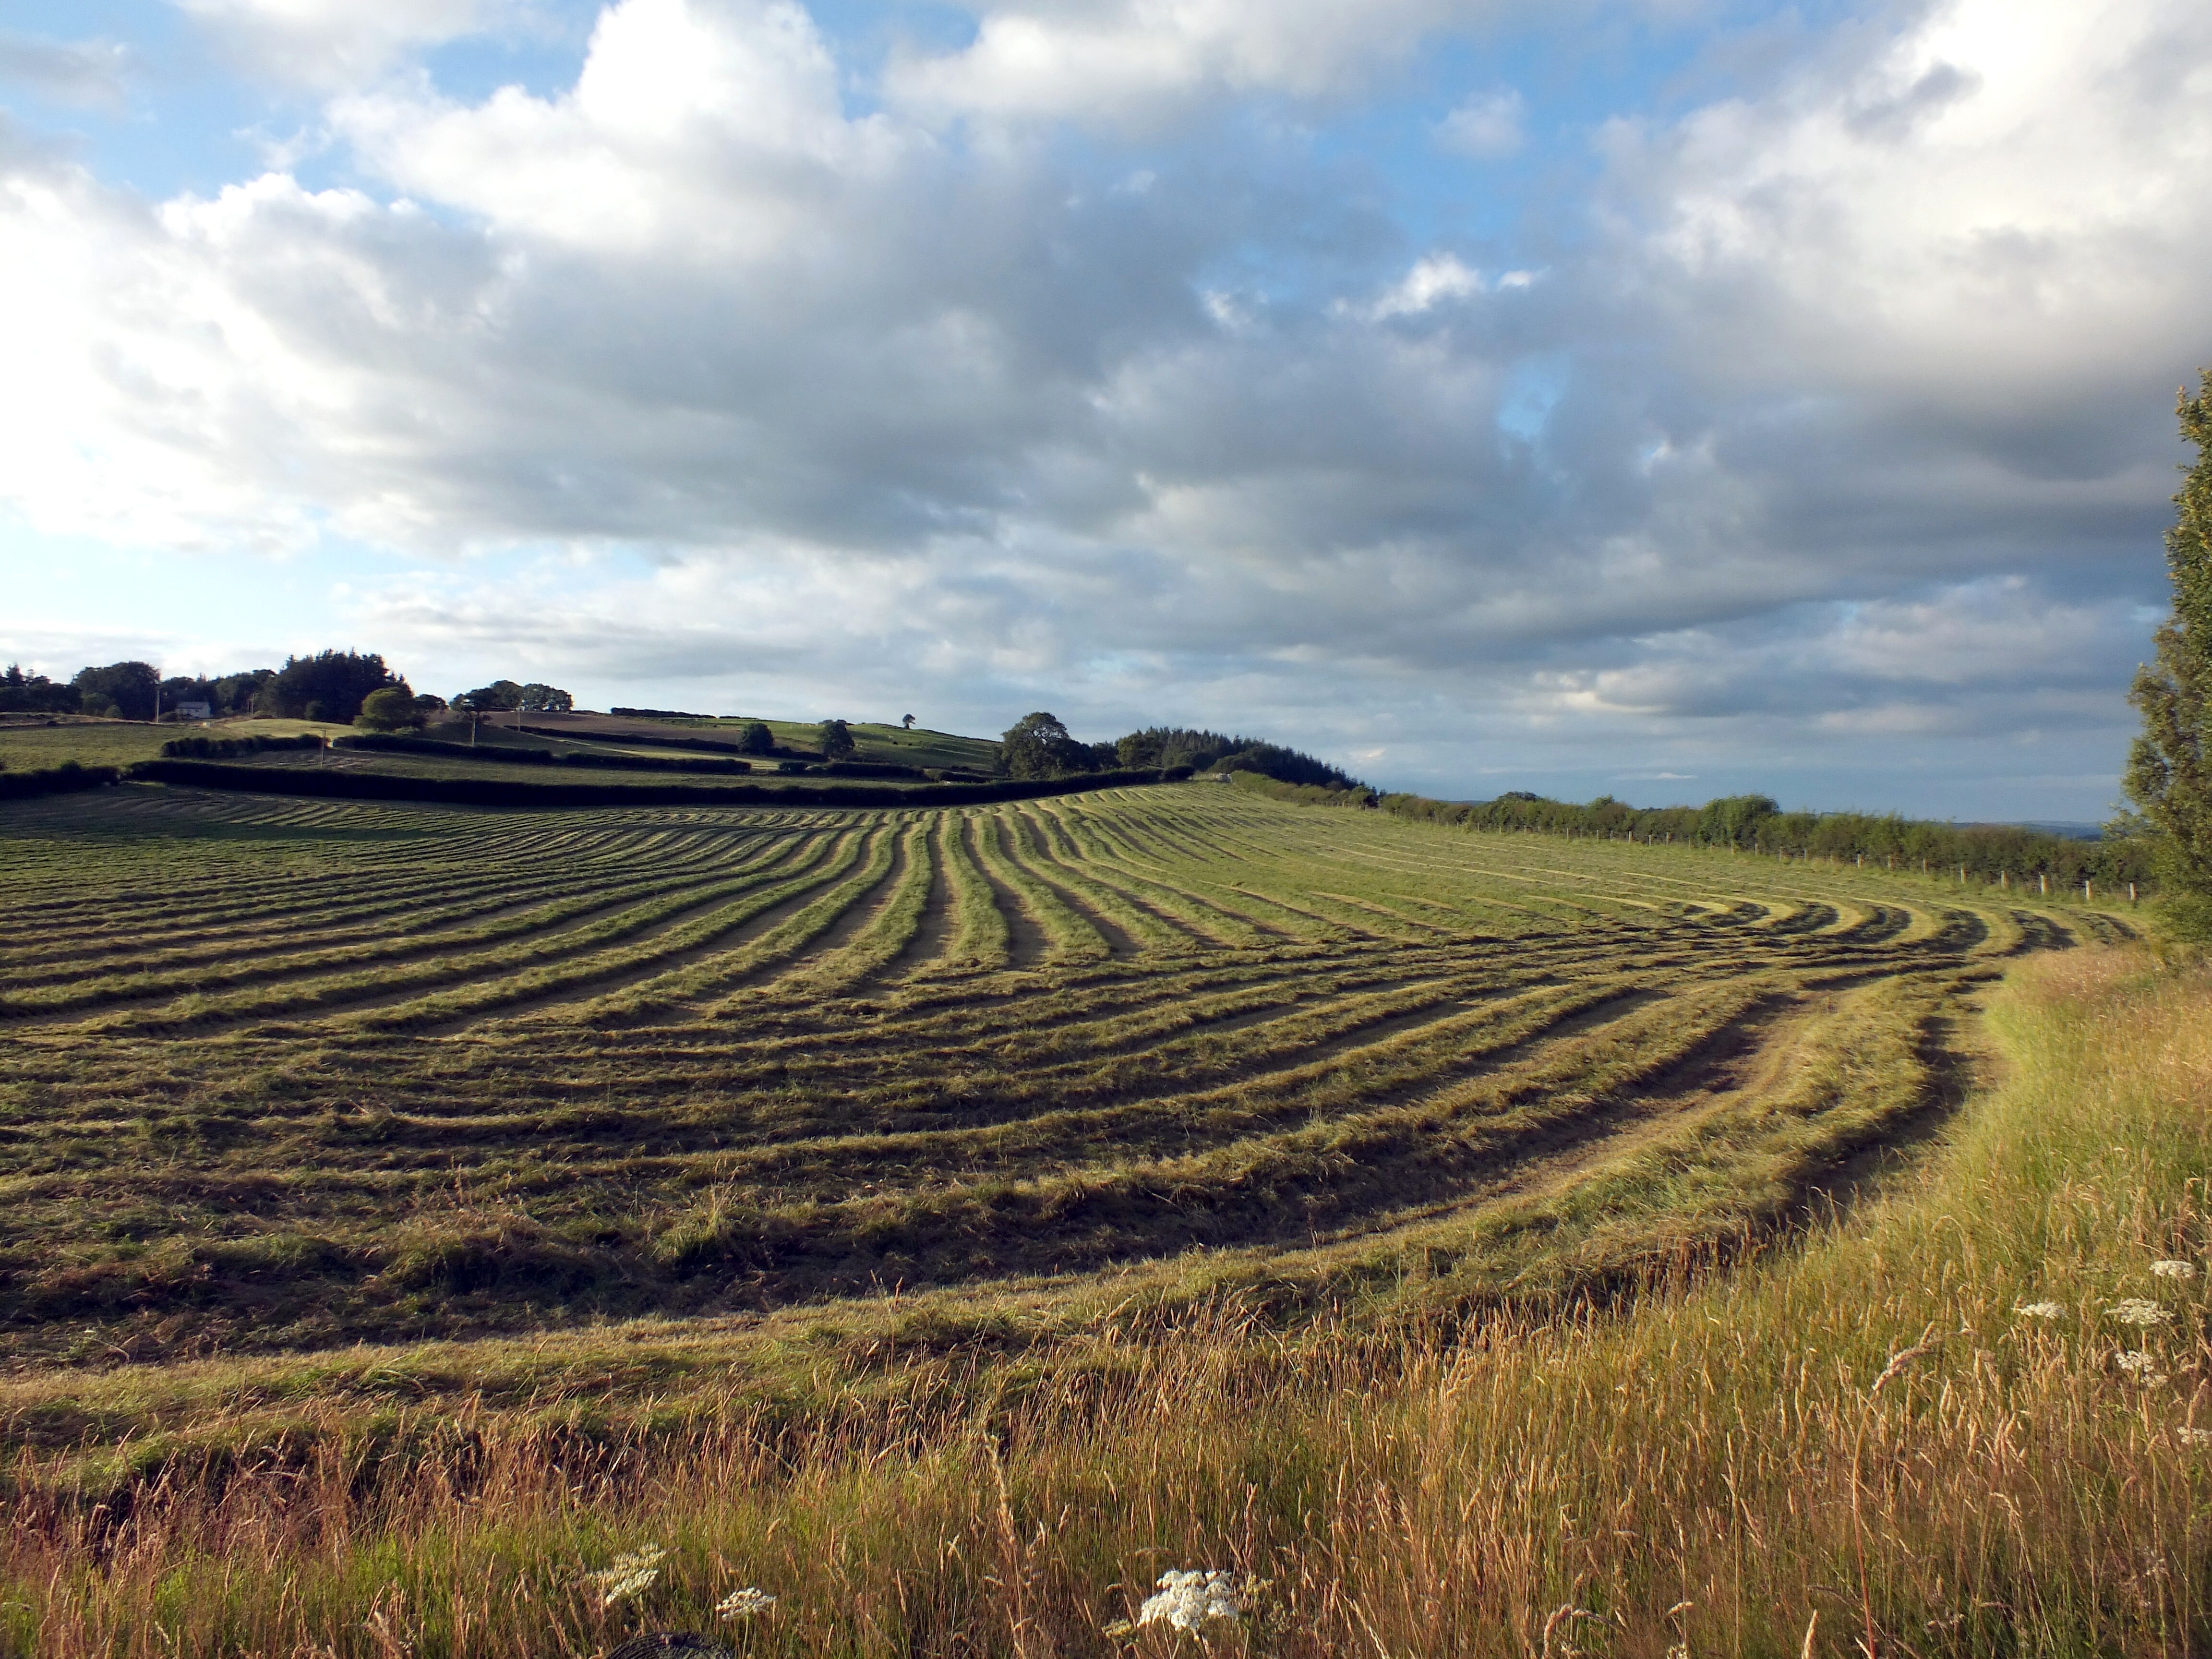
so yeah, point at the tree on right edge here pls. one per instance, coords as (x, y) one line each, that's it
(2169, 776)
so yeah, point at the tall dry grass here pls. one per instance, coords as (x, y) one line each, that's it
(1854, 1444)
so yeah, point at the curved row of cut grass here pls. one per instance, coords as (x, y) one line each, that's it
(699, 1059)
(437, 963)
(494, 909)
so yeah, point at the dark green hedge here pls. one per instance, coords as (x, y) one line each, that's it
(498, 791)
(224, 748)
(569, 734)
(871, 769)
(67, 779)
(529, 755)
(1752, 824)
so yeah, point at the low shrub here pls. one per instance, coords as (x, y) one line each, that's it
(715, 745)
(852, 769)
(532, 754)
(205, 748)
(66, 779)
(500, 792)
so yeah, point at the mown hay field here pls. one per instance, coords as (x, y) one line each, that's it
(339, 1134)
(283, 1075)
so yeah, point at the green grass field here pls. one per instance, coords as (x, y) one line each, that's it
(28, 743)
(919, 747)
(959, 1215)
(871, 741)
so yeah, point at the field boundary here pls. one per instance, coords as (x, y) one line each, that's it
(67, 779)
(488, 792)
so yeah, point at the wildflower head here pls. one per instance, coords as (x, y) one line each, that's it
(2041, 1310)
(2135, 1311)
(744, 1603)
(2194, 1437)
(2141, 1366)
(2174, 1269)
(1188, 1601)
(627, 1576)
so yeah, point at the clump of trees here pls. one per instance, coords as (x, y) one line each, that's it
(834, 740)
(1039, 745)
(35, 693)
(125, 690)
(225, 695)
(2169, 773)
(396, 709)
(135, 690)
(130, 690)
(330, 685)
(503, 696)
(1216, 751)
(337, 686)
(755, 739)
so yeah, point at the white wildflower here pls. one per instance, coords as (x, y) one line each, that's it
(2041, 1310)
(628, 1574)
(743, 1603)
(2141, 1366)
(2174, 1269)
(2134, 1311)
(1189, 1600)
(2194, 1437)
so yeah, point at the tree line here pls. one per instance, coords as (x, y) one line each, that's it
(341, 687)
(1039, 745)
(2169, 773)
(1754, 825)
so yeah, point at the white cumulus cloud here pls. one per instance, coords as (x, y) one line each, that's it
(1121, 60)
(336, 43)
(1486, 127)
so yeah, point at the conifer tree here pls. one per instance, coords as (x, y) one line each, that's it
(2169, 773)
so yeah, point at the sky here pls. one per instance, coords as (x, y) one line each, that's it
(1665, 399)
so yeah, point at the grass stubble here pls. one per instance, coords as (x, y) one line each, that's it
(1648, 1395)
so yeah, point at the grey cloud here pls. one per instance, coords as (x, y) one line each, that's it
(1893, 116)
(333, 44)
(88, 73)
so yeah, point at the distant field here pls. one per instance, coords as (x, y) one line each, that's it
(279, 1075)
(28, 742)
(872, 741)
(919, 747)
(30, 747)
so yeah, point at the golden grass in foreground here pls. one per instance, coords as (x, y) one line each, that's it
(1858, 1444)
